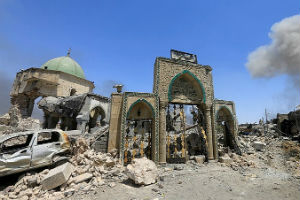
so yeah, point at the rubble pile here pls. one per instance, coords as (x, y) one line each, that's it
(13, 122)
(86, 171)
(264, 145)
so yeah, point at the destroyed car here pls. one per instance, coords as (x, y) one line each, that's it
(32, 149)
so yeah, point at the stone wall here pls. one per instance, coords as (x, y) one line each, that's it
(115, 121)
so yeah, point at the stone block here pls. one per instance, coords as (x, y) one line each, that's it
(258, 145)
(57, 176)
(142, 171)
(82, 177)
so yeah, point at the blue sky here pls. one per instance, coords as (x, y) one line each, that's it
(118, 41)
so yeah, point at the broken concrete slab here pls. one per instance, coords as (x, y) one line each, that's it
(57, 176)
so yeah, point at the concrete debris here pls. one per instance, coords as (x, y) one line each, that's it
(5, 119)
(77, 112)
(57, 176)
(10, 123)
(86, 171)
(142, 171)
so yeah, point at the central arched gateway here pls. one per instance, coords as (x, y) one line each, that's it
(186, 99)
(185, 90)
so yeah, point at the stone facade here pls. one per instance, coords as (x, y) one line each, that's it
(35, 82)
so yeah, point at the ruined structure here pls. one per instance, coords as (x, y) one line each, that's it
(79, 112)
(58, 77)
(179, 119)
(174, 122)
(226, 124)
(67, 101)
(289, 123)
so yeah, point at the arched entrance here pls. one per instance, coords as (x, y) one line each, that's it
(139, 131)
(185, 118)
(225, 127)
(97, 115)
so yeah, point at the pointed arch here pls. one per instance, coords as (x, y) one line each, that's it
(140, 101)
(190, 75)
(224, 108)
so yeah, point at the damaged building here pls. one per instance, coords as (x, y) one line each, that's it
(67, 99)
(289, 123)
(178, 120)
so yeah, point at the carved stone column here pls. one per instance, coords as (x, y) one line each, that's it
(209, 132)
(162, 134)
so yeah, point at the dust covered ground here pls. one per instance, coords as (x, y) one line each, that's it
(271, 171)
(260, 175)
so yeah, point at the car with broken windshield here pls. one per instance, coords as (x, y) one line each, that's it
(29, 150)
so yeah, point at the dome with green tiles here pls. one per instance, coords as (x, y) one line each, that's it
(64, 64)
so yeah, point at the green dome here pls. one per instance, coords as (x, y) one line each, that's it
(64, 64)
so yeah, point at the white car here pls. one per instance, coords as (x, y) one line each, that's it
(32, 149)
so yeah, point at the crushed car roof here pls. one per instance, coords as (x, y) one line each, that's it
(5, 137)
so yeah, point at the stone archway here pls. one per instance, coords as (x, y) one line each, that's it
(186, 90)
(225, 127)
(139, 131)
(96, 117)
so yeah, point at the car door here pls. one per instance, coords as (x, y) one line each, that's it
(45, 146)
(16, 154)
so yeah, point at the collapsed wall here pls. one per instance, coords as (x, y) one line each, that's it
(79, 112)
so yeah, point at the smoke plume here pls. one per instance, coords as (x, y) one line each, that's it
(282, 56)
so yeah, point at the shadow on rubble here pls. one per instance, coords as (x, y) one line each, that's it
(131, 183)
(11, 180)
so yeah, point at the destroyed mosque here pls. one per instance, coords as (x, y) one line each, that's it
(179, 119)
